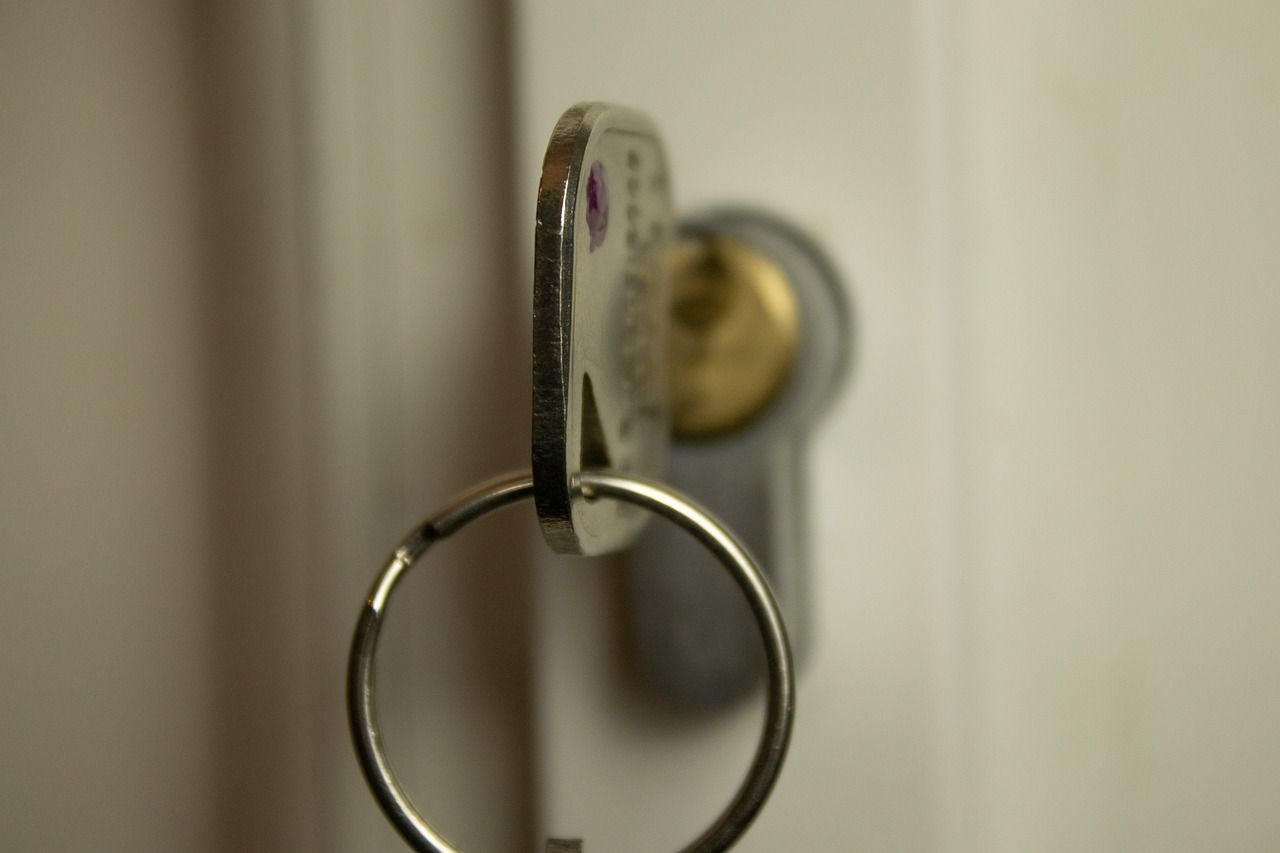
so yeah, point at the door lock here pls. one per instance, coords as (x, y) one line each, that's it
(761, 341)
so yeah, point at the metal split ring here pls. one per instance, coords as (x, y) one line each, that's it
(780, 706)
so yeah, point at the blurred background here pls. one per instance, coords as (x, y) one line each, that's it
(264, 301)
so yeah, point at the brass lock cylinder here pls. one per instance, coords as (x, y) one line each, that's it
(735, 329)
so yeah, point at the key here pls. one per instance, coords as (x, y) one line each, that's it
(602, 430)
(742, 450)
(604, 223)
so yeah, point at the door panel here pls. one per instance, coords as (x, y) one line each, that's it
(815, 114)
(1045, 507)
(1119, 193)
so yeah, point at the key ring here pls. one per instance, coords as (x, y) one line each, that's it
(780, 706)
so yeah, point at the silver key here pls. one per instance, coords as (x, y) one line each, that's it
(600, 308)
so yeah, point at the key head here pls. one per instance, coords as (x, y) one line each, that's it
(600, 303)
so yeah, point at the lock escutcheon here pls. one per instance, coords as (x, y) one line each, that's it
(692, 639)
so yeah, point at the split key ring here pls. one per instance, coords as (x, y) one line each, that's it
(593, 486)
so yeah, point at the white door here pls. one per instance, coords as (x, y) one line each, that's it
(1047, 511)
(265, 282)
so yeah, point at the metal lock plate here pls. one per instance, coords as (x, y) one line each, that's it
(600, 316)
(741, 446)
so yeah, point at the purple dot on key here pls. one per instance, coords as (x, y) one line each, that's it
(597, 204)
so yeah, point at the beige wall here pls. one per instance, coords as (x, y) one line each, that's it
(109, 715)
(254, 322)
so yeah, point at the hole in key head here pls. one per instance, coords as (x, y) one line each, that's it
(594, 452)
